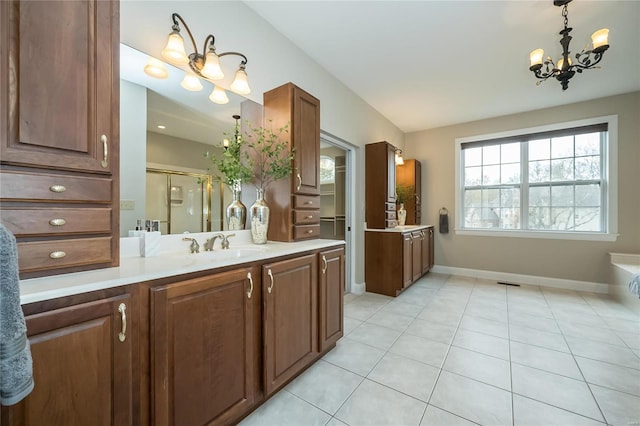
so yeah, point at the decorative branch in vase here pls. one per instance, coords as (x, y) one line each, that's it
(272, 161)
(234, 167)
(403, 194)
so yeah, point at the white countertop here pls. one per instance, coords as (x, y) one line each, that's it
(403, 228)
(173, 259)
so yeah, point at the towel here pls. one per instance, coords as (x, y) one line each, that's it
(16, 370)
(444, 221)
(634, 285)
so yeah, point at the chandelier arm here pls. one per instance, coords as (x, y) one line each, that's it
(244, 58)
(175, 17)
(213, 43)
(587, 62)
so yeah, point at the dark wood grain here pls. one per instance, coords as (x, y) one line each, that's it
(380, 178)
(330, 303)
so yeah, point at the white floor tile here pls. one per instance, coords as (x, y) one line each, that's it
(354, 356)
(538, 338)
(350, 324)
(286, 409)
(622, 379)
(593, 333)
(618, 408)
(434, 416)
(527, 412)
(428, 330)
(477, 366)
(602, 352)
(545, 359)
(483, 343)
(375, 335)
(534, 321)
(405, 375)
(374, 404)
(391, 320)
(559, 391)
(325, 386)
(423, 350)
(472, 400)
(481, 325)
(398, 307)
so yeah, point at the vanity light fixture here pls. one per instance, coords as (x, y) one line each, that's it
(399, 159)
(565, 69)
(155, 68)
(205, 65)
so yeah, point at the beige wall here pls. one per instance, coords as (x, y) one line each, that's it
(564, 259)
(167, 150)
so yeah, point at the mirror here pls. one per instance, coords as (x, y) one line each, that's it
(191, 125)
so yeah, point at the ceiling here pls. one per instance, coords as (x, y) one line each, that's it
(426, 64)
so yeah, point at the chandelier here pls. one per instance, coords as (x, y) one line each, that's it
(205, 65)
(565, 69)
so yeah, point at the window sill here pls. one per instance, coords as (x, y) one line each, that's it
(550, 235)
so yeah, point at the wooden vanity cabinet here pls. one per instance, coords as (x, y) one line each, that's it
(203, 347)
(82, 363)
(427, 250)
(295, 202)
(380, 178)
(59, 138)
(290, 331)
(409, 174)
(330, 301)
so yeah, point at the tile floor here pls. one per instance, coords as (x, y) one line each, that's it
(457, 351)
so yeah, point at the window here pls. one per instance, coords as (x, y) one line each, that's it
(327, 169)
(550, 181)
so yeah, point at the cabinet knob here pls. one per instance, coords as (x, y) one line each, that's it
(57, 222)
(308, 203)
(57, 188)
(57, 254)
(310, 231)
(310, 217)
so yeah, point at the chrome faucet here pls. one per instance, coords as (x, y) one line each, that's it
(194, 247)
(208, 245)
(225, 240)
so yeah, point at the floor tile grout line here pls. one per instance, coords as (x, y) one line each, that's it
(513, 410)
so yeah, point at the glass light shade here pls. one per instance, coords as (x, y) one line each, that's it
(191, 82)
(211, 69)
(155, 68)
(399, 159)
(218, 96)
(536, 57)
(174, 51)
(600, 38)
(240, 83)
(561, 63)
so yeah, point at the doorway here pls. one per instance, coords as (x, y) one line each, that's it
(336, 177)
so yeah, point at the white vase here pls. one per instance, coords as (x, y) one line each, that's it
(259, 212)
(402, 215)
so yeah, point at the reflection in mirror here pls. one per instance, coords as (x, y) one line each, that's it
(164, 127)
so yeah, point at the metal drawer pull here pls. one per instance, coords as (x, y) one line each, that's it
(270, 276)
(122, 336)
(310, 217)
(250, 285)
(299, 182)
(105, 148)
(57, 222)
(324, 265)
(310, 231)
(308, 203)
(57, 254)
(57, 188)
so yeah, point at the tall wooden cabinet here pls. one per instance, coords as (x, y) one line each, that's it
(295, 202)
(380, 175)
(409, 174)
(59, 118)
(82, 366)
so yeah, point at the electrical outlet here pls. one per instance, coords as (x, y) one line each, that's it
(127, 205)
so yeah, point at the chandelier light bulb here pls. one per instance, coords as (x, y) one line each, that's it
(211, 69)
(174, 51)
(600, 38)
(191, 82)
(155, 68)
(240, 83)
(561, 63)
(536, 57)
(219, 96)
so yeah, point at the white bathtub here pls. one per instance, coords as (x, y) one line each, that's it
(625, 266)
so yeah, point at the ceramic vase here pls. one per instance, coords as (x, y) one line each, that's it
(259, 219)
(236, 211)
(402, 215)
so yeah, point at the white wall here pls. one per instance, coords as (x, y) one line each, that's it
(273, 61)
(133, 148)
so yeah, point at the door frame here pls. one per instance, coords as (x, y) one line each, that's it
(349, 190)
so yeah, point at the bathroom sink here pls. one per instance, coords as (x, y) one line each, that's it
(234, 252)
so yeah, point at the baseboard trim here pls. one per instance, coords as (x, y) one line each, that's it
(524, 279)
(357, 288)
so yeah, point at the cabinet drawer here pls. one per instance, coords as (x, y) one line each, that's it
(306, 202)
(35, 256)
(19, 186)
(391, 215)
(390, 206)
(301, 232)
(306, 216)
(391, 223)
(35, 221)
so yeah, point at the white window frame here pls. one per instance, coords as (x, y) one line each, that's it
(609, 181)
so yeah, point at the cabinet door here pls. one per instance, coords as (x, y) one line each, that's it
(331, 296)
(203, 345)
(416, 251)
(81, 368)
(426, 250)
(391, 173)
(431, 248)
(418, 196)
(407, 260)
(306, 141)
(290, 290)
(59, 102)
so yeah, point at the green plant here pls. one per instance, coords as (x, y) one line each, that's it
(273, 160)
(234, 166)
(404, 192)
